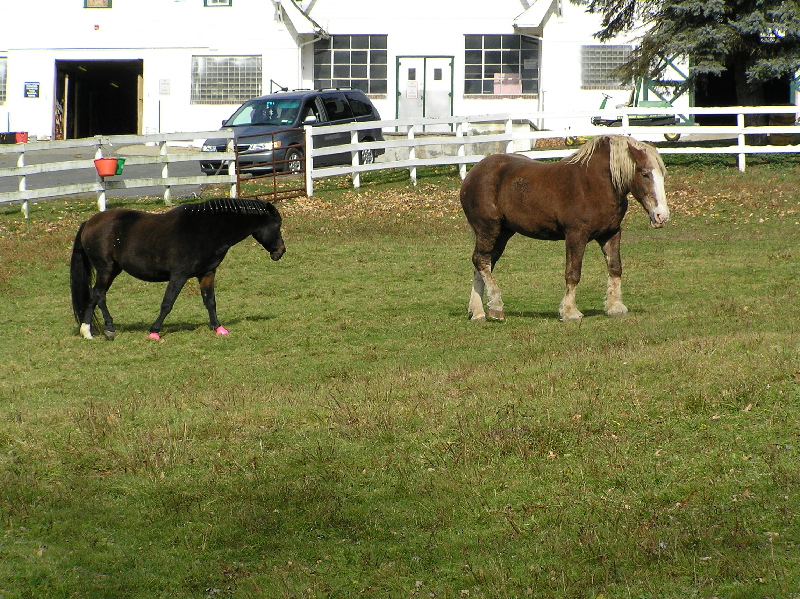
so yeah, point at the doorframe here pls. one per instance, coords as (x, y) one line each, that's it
(424, 58)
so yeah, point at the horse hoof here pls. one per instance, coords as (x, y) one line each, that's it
(572, 317)
(220, 330)
(478, 317)
(495, 314)
(109, 335)
(86, 331)
(617, 312)
(154, 336)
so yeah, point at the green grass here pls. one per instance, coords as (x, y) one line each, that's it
(357, 436)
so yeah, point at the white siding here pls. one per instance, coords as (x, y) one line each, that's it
(165, 34)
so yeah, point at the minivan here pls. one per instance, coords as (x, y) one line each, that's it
(269, 130)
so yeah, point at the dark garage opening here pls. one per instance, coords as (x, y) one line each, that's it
(97, 97)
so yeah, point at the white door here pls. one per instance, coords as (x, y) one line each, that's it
(424, 86)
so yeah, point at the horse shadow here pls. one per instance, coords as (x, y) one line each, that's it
(182, 326)
(550, 314)
(537, 314)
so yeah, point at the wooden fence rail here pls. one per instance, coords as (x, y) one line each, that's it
(408, 144)
(47, 157)
(455, 139)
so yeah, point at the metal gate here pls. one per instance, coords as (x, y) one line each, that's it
(276, 175)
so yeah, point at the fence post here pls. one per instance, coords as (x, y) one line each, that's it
(740, 141)
(510, 134)
(355, 160)
(309, 162)
(412, 155)
(101, 195)
(23, 184)
(462, 149)
(162, 151)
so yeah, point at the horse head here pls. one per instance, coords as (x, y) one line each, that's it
(647, 182)
(269, 234)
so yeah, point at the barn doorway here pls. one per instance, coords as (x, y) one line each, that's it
(98, 97)
(425, 87)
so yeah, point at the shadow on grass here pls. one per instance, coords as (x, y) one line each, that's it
(170, 327)
(530, 314)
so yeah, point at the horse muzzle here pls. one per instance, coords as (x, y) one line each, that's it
(658, 218)
(276, 255)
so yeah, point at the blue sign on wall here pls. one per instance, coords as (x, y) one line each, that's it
(31, 89)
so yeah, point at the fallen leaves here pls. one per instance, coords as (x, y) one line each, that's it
(435, 201)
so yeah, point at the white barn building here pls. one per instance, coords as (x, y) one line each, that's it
(80, 68)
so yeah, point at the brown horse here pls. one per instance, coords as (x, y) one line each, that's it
(581, 198)
(185, 242)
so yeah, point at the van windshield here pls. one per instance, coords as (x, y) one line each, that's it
(265, 112)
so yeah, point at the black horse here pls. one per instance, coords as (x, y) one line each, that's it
(185, 242)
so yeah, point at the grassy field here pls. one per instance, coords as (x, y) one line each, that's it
(356, 436)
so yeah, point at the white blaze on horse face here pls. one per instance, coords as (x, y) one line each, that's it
(660, 213)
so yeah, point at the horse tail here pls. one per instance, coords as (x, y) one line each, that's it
(81, 276)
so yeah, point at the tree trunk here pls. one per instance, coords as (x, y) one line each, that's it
(749, 93)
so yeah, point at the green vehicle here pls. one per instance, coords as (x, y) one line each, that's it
(639, 99)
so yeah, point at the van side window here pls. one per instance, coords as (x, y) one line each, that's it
(310, 113)
(360, 108)
(337, 108)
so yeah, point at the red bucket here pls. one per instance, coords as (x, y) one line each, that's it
(106, 167)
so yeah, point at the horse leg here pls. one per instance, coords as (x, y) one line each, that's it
(174, 287)
(108, 329)
(475, 309)
(613, 304)
(210, 302)
(487, 253)
(568, 310)
(88, 315)
(103, 280)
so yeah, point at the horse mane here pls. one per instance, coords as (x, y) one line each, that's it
(238, 205)
(621, 164)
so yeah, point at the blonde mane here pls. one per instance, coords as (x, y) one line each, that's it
(621, 164)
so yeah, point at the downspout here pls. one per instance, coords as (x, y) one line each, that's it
(319, 34)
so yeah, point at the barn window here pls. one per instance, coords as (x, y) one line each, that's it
(501, 65)
(352, 61)
(225, 79)
(598, 65)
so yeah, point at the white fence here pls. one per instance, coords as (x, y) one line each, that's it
(409, 144)
(518, 133)
(41, 158)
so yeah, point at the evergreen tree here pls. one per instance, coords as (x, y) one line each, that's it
(757, 41)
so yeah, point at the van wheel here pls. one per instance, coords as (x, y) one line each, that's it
(294, 161)
(367, 156)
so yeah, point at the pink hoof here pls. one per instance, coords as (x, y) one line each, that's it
(154, 336)
(220, 330)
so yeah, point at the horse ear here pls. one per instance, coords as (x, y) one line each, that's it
(638, 155)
